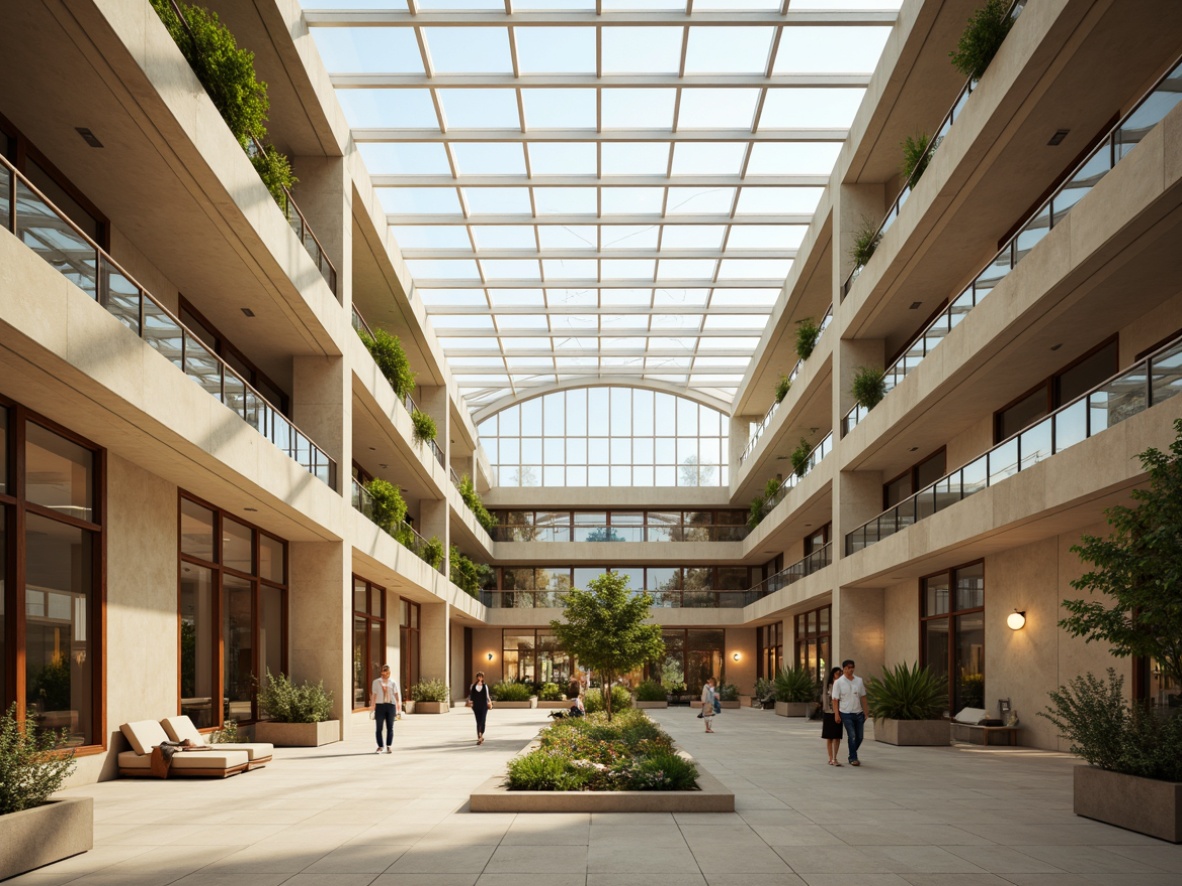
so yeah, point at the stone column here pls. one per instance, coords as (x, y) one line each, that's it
(320, 620)
(324, 194)
(435, 642)
(322, 407)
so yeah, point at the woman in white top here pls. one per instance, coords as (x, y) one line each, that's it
(708, 703)
(386, 701)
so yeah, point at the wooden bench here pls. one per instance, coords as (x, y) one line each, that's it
(965, 727)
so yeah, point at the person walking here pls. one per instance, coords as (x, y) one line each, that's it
(851, 707)
(386, 700)
(831, 723)
(708, 703)
(480, 700)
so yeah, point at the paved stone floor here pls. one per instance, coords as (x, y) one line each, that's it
(342, 816)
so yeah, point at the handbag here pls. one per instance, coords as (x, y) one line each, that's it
(717, 705)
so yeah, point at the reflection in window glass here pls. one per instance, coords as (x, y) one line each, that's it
(238, 639)
(3, 453)
(197, 644)
(236, 546)
(196, 531)
(58, 473)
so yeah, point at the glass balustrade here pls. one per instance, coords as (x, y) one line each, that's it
(1121, 139)
(404, 535)
(30, 215)
(1151, 381)
(814, 562)
(790, 482)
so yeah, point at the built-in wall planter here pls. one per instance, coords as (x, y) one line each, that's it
(650, 705)
(912, 733)
(33, 838)
(432, 707)
(554, 705)
(297, 735)
(1144, 805)
(794, 708)
(519, 705)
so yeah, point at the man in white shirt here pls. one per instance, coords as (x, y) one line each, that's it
(386, 699)
(850, 707)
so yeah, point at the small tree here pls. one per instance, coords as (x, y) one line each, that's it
(604, 629)
(1139, 569)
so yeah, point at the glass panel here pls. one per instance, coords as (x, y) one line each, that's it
(3, 457)
(271, 560)
(377, 600)
(993, 274)
(1035, 444)
(973, 476)
(1080, 184)
(202, 366)
(236, 546)
(1127, 395)
(1071, 425)
(969, 691)
(1035, 229)
(377, 651)
(970, 587)
(59, 611)
(162, 332)
(197, 531)
(55, 240)
(121, 297)
(5, 201)
(360, 657)
(272, 633)
(360, 596)
(936, 592)
(237, 640)
(935, 646)
(58, 473)
(1165, 372)
(1003, 461)
(197, 645)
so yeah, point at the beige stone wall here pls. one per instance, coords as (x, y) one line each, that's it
(741, 672)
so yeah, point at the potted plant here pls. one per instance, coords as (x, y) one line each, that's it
(796, 692)
(389, 507)
(391, 359)
(783, 386)
(1134, 754)
(917, 153)
(868, 386)
(907, 704)
(424, 430)
(755, 512)
(728, 695)
(800, 457)
(431, 697)
(865, 242)
(551, 697)
(35, 830)
(982, 37)
(764, 689)
(295, 716)
(651, 694)
(807, 333)
(511, 694)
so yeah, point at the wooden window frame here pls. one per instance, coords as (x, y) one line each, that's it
(370, 590)
(951, 614)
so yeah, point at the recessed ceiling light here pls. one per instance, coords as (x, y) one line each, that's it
(88, 136)
(251, 510)
(914, 305)
(373, 449)
(248, 312)
(1057, 138)
(383, 466)
(913, 449)
(1056, 347)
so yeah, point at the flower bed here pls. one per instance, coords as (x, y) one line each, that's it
(631, 753)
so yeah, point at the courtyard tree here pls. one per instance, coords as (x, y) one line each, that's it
(604, 630)
(1136, 580)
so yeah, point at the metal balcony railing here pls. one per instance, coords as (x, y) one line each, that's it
(814, 562)
(404, 535)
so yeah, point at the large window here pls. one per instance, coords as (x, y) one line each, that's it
(607, 436)
(232, 612)
(528, 587)
(369, 638)
(952, 608)
(812, 641)
(690, 657)
(51, 540)
(409, 616)
(533, 656)
(770, 656)
(620, 526)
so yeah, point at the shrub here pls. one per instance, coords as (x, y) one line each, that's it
(800, 457)
(389, 508)
(467, 575)
(650, 690)
(763, 687)
(228, 734)
(869, 386)
(795, 685)
(907, 693)
(472, 499)
(34, 763)
(424, 427)
(388, 354)
(728, 692)
(982, 37)
(285, 702)
(865, 242)
(771, 488)
(432, 552)
(807, 333)
(755, 511)
(621, 700)
(274, 169)
(430, 690)
(545, 772)
(783, 386)
(661, 771)
(917, 153)
(550, 692)
(507, 690)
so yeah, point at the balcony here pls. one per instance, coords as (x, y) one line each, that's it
(32, 217)
(1119, 141)
(790, 482)
(814, 562)
(631, 527)
(1149, 382)
(405, 534)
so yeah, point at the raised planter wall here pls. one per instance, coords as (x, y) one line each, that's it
(793, 708)
(651, 705)
(33, 838)
(518, 705)
(731, 705)
(432, 707)
(555, 705)
(913, 733)
(1138, 804)
(297, 735)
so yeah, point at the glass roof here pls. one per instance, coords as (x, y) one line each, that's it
(607, 190)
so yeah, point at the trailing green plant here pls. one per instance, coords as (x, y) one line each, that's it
(274, 168)
(650, 690)
(755, 511)
(389, 507)
(432, 552)
(285, 702)
(868, 386)
(430, 690)
(866, 240)
(550, 692)
(34, 763)
(424, 427)
(795, 685)
(507, 690)
(1110, 733)
(800, 457)
(621, 700)
(907, 692)
(771, 487)
(467, 575)
(388, 354)
(1135, 582)
(918, 150)
(783, 386)
(983, 35)
(472, 499)
(807, 333)
(228, 734)
(728, 692)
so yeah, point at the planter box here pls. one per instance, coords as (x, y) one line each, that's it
(432, 707)
(408, 707)
(297, 735)
(793, 708)
(554, 705)
(731, 705)
(746, 701)
(913, 733)
(44, 834)
(1144, 805)
(650, 705)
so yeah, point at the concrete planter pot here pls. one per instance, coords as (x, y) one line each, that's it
(731, 705)
(33, 838)
(519, 705)
(1144, 805)
(793, 708)
(651, 705)
(297, 735)
(432, 707)
(913, 733)
(408, 707)
(746, 701)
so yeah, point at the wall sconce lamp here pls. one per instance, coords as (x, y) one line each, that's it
(736, 656)
(1016, 620)
(489, 656)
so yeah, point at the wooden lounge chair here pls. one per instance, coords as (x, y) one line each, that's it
(144, 735)
(180, 728)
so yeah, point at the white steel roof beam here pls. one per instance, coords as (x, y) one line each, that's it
(345, 80)
(591, 181)
(788, 218)
(484, 136)
(392, 18)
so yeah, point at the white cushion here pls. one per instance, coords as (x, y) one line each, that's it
(970, 716)
(180, 728)
(144, 735)
(187, 760)
(256, 750)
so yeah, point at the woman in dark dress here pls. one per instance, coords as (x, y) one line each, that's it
(830, 727)
(479, 700)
